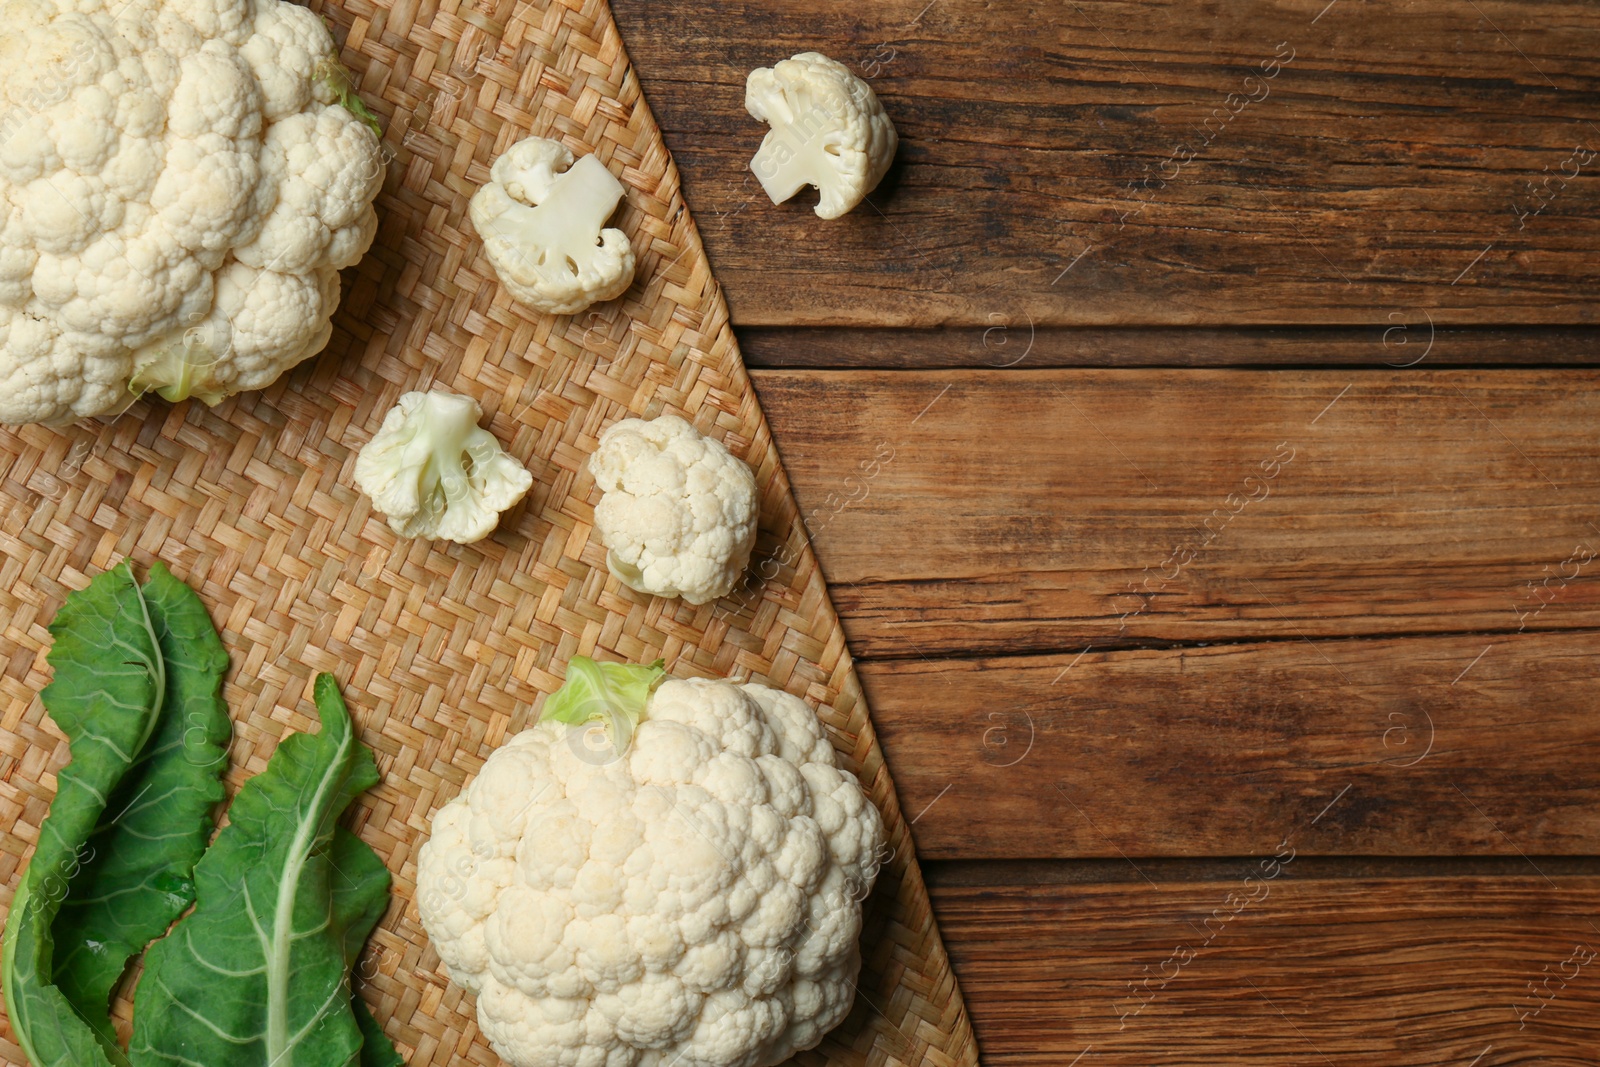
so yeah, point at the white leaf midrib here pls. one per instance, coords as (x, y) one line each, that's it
(280, 1047)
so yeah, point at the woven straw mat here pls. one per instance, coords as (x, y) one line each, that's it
(443, 651)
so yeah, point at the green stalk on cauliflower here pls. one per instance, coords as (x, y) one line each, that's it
(333, 73)
(613, 694)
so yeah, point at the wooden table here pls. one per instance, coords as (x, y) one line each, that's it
(1199, 429)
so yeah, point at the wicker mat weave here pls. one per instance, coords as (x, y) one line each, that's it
(444, 651)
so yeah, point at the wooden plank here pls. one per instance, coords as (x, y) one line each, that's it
(1112, 162)
(1399, 972)
(1410, 747)
(1400, 344)
(1047, 510)
(1184, 870)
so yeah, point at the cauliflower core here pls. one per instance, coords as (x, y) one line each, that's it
(179, 186)
(828, 130)
(678, 517)
(542, 219)
(693, 902)
(434, 472)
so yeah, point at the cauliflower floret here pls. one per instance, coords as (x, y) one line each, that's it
(542, 219)
(434, 472)
(662, 910)
(679, 513)
(159, 162)
(284, 53)
(258, 319)
(51, 367)
(828, 130)
(323, 215)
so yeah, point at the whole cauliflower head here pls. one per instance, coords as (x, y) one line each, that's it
(434, 472)
(542, 218)
(689, 897)
(678, 515)
(179, 185)
(827, 130)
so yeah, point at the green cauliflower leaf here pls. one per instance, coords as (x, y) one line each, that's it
(599, 690)
(137, 874)
(107, 694)
(258, 973)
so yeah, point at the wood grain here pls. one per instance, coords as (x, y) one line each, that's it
(1400, 342)
(1106, 162)
(1335, 665)
(1424, 972)
(959, 515)
(1460, 745)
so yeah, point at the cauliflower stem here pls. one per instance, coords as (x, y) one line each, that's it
(828, 130)
(434, 472)
(434, 459)
(178, 372)
(542, 219)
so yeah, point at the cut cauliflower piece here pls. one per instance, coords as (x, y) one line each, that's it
(828, 130)
(690, 896)
(542, 218)
(434, 472)
(679, 511)
(157, 161)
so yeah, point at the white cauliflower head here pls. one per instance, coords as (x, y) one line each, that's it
(434, 472)
(542, 218)
(179, 185)
(827, 130)
(689, 896)
(678, 516)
